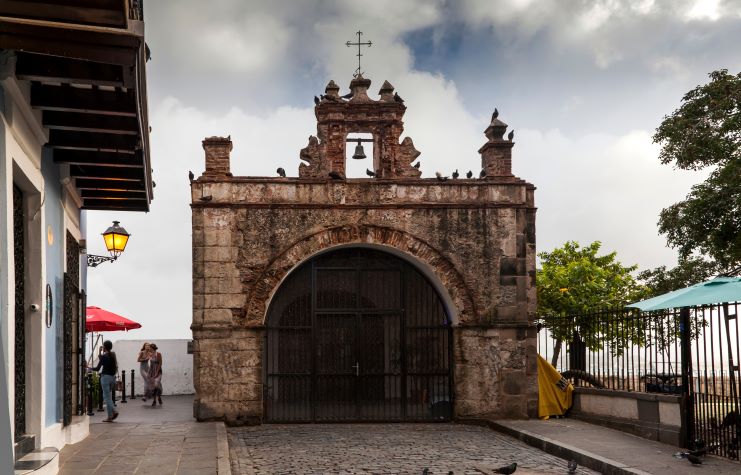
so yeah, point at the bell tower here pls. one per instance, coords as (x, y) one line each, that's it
(358, 113)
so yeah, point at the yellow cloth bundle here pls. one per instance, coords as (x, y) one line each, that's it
(554, 391)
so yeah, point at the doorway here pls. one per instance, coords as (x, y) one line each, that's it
(357, 334)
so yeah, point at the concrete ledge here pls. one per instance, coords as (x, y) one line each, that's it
(648, 415)
(568, 452)
(629, 394)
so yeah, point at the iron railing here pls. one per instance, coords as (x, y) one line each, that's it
(629, 350)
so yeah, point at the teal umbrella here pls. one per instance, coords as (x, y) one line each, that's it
(718, 290)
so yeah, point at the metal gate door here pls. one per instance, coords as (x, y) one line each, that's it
(19, 246)
(357, 334)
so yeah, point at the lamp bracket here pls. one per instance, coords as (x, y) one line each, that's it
(95, 261)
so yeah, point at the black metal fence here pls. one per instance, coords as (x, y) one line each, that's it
(629, 350)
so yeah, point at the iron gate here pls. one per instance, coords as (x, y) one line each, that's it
(70, 328)
(19, 236)
(357, 334)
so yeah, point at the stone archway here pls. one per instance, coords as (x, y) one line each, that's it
(356, 333)
(451, 284)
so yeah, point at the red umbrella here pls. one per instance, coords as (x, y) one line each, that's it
(99, 320)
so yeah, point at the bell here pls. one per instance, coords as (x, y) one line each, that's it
(359, 152)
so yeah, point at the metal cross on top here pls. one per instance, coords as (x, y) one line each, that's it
(358, 72)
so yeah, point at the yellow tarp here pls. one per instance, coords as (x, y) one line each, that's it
(554, 391)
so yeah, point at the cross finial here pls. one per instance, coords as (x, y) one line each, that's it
(358, 72)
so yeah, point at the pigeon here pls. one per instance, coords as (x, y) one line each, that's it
(469, 174)
(191, 176)
(335, 176)
(416, 165)
(370, 173)
(694, 459)
(511, 135)
(508, 470)
(495, 114)
(455, 174)
(397, 97)
(281, 172)
(316, 100)
(206, 198)
(440, 177)
(348, 96)
(482, 174)
(572, 466)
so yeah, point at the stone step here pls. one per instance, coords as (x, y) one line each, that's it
(38, 462)
(24, 445)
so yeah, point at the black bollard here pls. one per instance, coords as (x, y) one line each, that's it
(100, 395)
(133, 396)
(123, 386)
(89, 402)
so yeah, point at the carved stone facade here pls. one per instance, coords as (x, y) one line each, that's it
(474, 239)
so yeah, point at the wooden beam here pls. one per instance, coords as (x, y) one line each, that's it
(110, 185)
(110, 173)
(115, 204)
(103, 47)
(71, 139)
(106, 194)
(103, 12)
(107, 159)
(81, 122)
(75, 99)
(45, 68)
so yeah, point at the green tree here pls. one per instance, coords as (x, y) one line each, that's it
(706, 132)
(689, 271)
(575, 280)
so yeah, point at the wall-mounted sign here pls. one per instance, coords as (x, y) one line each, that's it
(49, 314)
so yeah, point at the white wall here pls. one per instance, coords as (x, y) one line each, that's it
(177, 365)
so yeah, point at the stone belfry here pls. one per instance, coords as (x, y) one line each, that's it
(339, 116)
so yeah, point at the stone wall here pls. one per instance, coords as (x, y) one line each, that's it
(476, 237)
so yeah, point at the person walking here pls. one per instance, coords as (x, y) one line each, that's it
(143, 360)
(107, 361)
(155, 375)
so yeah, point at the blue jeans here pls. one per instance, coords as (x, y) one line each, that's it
(106, 382)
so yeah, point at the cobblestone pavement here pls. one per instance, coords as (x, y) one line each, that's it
(344, 449)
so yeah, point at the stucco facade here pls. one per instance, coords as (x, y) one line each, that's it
(473, 239)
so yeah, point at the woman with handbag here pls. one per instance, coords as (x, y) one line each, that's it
(143, 360)
(155, 375)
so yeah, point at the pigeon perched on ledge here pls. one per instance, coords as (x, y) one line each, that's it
(281, 172)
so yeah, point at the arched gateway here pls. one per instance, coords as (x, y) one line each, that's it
(322, 298)
(357, 334)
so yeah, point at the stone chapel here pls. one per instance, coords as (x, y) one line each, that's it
(389, 298)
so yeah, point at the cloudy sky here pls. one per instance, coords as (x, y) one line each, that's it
(583, 82)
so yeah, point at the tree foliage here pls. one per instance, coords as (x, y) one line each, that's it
(690, 271)
(706, 132)
(575, 279)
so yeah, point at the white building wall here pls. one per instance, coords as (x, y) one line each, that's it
(177, 364)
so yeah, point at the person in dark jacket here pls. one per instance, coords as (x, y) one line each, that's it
(107, 361)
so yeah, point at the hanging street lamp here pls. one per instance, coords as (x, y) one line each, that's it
(115, 238)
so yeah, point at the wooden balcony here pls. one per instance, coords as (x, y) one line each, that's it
(86, 61)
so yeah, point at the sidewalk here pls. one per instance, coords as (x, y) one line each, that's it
(150, 440)
(606, 450)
